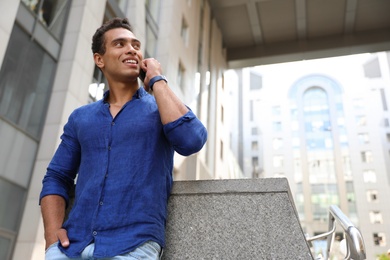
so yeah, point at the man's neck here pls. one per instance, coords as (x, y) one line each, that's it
(121, 93)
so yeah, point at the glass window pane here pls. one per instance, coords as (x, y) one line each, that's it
(151, 42)
(17, 154)
(153, 7)
(369, 176)
(50, 13)
(10, 212)
(5, 246)
(26, 78)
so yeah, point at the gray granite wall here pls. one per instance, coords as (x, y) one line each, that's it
(234, 219)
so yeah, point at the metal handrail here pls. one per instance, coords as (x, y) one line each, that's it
(354, 240)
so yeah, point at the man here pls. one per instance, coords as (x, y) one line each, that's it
(121, 150)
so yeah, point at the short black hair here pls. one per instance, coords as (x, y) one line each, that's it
(98, 40)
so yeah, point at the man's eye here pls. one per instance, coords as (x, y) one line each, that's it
(118, 44)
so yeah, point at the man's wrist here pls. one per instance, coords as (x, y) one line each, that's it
(155, 79)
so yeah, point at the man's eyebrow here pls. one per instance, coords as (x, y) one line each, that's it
(122, 39)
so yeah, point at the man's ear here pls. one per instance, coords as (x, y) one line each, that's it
(98, 60)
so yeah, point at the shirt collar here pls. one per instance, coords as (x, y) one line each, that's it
(138, 94)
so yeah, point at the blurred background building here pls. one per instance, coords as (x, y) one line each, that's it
(324, 125)
(47, 71)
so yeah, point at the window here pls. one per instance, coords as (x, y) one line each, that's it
(151, 30)
(254, 131)
(10, 212)
(151, 41)
(50, 13)
(256, 81)
(255, 161)
(278, 161)
(25, 104)
(386, 122)
(361, 120)
(376, 217)
(358, 103)
(277, 126)
(379, 239)
(184, 30)
(221, 152)
(372, 195)
(255, 146)
(251, 105)
(153, 6)
(277, 143)
(347, 167)
(363, 138)
(276, 110)
(366, 156)
(255, 167)
(369, 176)
(222, 114)
(180, 76)
(388, 137)
(384, 101)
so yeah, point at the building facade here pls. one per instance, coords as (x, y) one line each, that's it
(47, 71)
(325, 128)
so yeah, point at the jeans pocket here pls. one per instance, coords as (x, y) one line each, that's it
(51, 246)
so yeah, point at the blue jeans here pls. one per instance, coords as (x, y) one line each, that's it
(147, 251)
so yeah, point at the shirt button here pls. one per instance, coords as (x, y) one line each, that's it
(112, 123)
(94, 233)
(101, 203)
(109, 148)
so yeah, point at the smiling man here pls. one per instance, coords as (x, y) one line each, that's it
(121, 150)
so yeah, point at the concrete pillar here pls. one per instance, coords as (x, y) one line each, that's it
(7, 19)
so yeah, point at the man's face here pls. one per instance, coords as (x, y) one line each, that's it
(123, 57)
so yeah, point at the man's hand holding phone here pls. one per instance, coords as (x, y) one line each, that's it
(150, 68)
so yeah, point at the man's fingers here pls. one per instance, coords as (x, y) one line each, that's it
(63, 237)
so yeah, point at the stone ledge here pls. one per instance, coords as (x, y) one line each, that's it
(234, 219)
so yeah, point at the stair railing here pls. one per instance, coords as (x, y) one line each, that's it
(354, 240)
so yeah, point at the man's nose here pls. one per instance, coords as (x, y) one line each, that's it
(130, 49)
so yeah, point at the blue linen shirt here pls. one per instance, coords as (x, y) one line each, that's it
(124, 169)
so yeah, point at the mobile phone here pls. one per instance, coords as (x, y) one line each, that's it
(142, 75)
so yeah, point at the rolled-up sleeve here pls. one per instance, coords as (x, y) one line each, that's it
(187, 134)
(62, 170)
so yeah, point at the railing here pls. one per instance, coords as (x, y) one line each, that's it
(354, 239)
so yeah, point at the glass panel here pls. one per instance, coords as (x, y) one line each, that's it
(277, 143)
(277, 126)
(26, 78)
(11, 204)
(369, 176)
(153, 7)
(322, 196)
(17, 154)
(151, 42)
(51, 13)
(361, 120)
(5, 245)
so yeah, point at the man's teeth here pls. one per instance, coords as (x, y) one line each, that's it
(131, 61)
